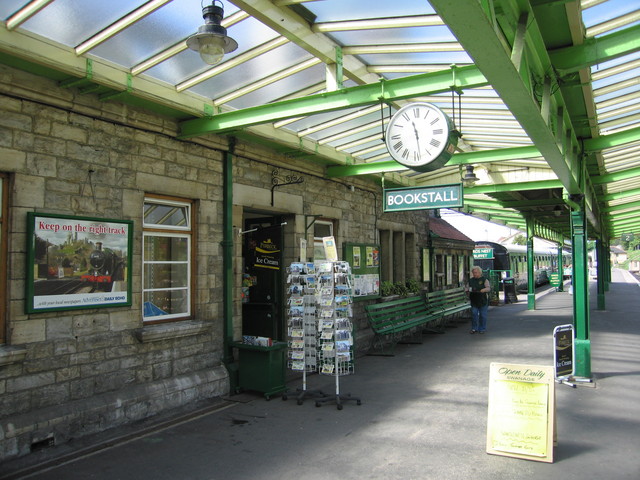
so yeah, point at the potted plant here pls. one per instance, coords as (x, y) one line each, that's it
(413, 286)
(386, 289)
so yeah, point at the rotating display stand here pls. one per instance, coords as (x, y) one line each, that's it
(320, 328)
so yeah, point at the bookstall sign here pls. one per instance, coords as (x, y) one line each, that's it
(423, 198)
(521, 417)
(563, 351)
(77, 262)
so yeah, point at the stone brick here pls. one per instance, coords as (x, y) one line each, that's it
(67, 374)
(42, 165)
(28, 331)
(100, 368)
(81, 388)
(113, 381)
(16, 121)
(90, 323)
(29, 191)
(30, 381)
(59, 327)
(51, 395)
(161, 370)
(69, 132)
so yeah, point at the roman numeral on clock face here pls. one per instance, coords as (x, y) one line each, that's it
(434, 142)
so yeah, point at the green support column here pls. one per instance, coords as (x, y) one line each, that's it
(560, 268)
(607, 270)
(227, 266)
(601, 275)
(531, 279)
(581, 295)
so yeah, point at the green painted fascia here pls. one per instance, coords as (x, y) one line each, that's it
(31, 67)
(596, 50)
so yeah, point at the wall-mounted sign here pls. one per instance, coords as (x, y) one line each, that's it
(77, 262)
(423, 198)
(483, 253)
(521, 419)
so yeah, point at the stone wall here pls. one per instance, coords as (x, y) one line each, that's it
(82, 371)
(70, 373)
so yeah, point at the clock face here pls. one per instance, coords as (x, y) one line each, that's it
(418, 134)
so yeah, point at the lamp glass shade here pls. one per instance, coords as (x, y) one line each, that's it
(211, 49)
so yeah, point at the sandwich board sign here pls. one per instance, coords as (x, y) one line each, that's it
(521, 417)
(563, 352)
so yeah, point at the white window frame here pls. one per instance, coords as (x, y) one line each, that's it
(173, 231)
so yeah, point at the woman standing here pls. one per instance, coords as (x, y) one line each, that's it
(479, 288)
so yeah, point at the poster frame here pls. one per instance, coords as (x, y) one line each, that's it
(364, 259)
(56, 225)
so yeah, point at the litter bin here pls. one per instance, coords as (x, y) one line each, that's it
(261, 369)
(509, 285)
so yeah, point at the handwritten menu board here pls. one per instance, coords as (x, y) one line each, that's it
(521, 418)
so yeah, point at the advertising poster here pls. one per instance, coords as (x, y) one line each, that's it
(77, 262)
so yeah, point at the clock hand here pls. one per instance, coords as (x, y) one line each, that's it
(415, 131)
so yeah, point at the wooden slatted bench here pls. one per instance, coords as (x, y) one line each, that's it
(394, 319)
(448, 302)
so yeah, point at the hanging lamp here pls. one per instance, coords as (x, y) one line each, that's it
(211, 41)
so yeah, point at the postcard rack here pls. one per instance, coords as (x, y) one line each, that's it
(319, 325)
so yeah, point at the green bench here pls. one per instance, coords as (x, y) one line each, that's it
(449, 303)
(394, 319)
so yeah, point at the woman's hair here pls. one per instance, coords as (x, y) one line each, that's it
(476, 267)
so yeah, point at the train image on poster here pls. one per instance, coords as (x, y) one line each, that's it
(77, 262)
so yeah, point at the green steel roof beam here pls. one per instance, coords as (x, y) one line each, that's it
(384, 91)
(478, 35)
(620, 195)
(624, 206)
(596, 50)
(511, 187)
(608, 141)
(616, 176)
(461, 158)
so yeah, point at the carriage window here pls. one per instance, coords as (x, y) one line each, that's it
(167, 259)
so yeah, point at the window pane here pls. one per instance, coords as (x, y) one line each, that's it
(166, 215)
(165, 302)
(165, 275)
(162, 249)
(321, 229)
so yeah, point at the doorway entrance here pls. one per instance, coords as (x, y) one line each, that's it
(262, 281)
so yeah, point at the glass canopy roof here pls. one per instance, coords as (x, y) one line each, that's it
(538, 90)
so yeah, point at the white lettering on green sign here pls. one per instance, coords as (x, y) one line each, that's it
(483, 253)
(443, 196)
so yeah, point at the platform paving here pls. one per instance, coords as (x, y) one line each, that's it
(423, 414)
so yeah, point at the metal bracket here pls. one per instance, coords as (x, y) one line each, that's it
(287, 180)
